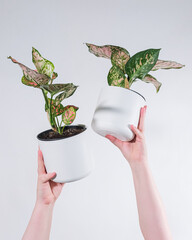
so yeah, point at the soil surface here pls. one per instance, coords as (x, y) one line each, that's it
(69, 131)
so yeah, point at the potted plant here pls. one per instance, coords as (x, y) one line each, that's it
(118, 106)
(64, 145)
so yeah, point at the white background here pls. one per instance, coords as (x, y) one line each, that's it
(101, 206)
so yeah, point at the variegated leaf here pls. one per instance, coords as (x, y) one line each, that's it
(68, 106)
(67, 93)
(56, 110)
(32, 75)
(55, 75)
(141, 63)
(56, 88)
(116, 77)
(150, 79)
(69, 115)
(120, 57)
(29, 83)
(161, 64)
(100, 51)
(43, 65)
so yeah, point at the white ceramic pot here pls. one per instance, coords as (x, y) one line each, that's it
(116, 110)
(68, 157)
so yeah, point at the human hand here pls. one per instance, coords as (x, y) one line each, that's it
(47, 190)
(135, 150)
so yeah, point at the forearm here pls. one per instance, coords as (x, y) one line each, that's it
(152, 218)
(40, 223)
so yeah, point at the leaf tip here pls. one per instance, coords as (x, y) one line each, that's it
(159, 88)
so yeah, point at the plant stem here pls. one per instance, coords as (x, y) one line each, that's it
(52, 121)
(58, 127)
(62, 129)
(45, 97)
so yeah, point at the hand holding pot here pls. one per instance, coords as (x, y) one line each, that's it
(47, 190)
(135, 150)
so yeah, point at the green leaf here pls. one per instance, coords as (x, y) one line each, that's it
(56, 110)
(69, 114)
(43, 65)
(150, 79)
(141, 63)
(161, 64)
(116, 77)
(67, 93)
(29, 83)
(31, 75)
(55, 75)
(120, 57)
(56, 88)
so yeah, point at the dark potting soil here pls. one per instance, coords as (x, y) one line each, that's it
(69, 131)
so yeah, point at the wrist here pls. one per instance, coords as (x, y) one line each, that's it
(45, 206)
(137, 166)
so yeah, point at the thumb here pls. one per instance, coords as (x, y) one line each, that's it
(115, 141)
(47, 177)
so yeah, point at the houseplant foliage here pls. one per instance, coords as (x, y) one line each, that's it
(126, 70)
(42, 78)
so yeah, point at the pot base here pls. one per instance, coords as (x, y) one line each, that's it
(123, 133)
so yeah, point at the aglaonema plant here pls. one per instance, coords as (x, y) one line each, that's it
(126, 70)
(42, 78)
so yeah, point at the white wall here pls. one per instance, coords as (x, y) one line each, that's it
(101, 206)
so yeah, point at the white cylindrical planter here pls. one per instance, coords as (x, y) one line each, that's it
(68, 157)
(116, 110)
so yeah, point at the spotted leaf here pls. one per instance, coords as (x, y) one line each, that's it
(100, 51)
(32, 75)
(29, 83)
(161, 64)
(120, 57)
(43, 65)
(55, 75)
(69, 115)
(141, 63)
(67, 93)
(116, 77)
(56, 110)
(150, 79)
(56, 88)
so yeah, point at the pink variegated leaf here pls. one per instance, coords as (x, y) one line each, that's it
(68, 106)
(100, 51)
(116, 77)
(105, 51)
(150, 79)
(56, 110)
(161, 64)
(55, 75)
(69, 114)
(43, 65)
(32, 75)
(29, 83)
(120, 57)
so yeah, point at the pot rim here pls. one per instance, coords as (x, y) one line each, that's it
(126, 89)
(57, 139)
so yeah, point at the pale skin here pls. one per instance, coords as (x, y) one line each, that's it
(47, 193)
(152, 217)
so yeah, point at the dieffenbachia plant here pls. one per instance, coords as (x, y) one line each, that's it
(54, 94)
(126, 70)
